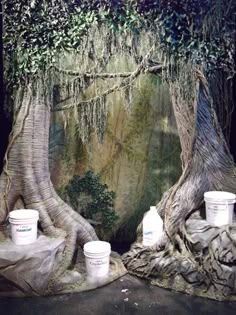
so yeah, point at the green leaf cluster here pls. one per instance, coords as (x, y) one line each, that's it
(36, 32)
(100, 204)
(197, 31)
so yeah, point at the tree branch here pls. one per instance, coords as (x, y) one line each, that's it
(115, 87)
(99, 66)
(156, 70)
(144, 67)
(109, 75)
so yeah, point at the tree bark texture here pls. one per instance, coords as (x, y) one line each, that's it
(193, 256)
(26, 177)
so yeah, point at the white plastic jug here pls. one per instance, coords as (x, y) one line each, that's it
(152, 227)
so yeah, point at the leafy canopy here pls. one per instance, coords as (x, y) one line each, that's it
(37, 31)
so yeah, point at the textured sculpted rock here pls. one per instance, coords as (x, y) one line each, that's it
(27, 270)
(207, 267)
(29, 267)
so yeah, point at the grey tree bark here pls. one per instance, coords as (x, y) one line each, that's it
(193, 256)
(26, 177)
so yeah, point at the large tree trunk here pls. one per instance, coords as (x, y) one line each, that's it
(193, 256)
(26, 177)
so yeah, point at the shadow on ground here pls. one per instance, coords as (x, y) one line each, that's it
(127, 295)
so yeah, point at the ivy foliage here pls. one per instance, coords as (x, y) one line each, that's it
(199, 31)
(37, 31)
(92, 200)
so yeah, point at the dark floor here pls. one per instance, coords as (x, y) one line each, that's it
(128, 295)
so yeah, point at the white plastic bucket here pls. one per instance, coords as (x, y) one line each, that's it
(97, 259)
(219, 207)
(24, 226)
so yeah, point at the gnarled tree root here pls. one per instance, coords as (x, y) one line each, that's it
(210, 270)
(26, 177)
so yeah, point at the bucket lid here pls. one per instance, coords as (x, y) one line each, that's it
(219, 196)
(97, 247)
(23, 214)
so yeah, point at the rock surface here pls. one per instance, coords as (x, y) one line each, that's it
(26, 270)
(204, 264)
(29, 267)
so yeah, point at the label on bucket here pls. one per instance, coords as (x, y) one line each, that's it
(23, 234)
(219, 214)
(24, 228)
(97, 267)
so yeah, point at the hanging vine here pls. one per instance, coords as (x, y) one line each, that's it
(60, 42)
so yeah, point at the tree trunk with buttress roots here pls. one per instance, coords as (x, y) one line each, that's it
(193, 256)
(26, 177)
